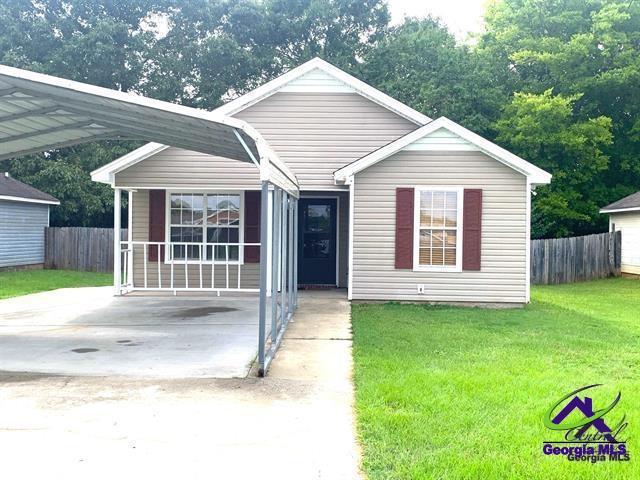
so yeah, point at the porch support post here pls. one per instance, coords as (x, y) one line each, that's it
(284, 307)
(295, 253)
(116, 240)
(290, 257)
(129, 280)
(264, 260)
(275, 264)
(352, 196)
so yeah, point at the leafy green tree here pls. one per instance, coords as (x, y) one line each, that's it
(420, 64)
(542, 128)
(589, 51)
(216, 49)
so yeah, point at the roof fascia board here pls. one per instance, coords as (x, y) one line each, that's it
(28, 200)
(620, 210)
(535, 174)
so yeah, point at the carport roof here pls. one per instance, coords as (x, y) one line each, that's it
(40, 112)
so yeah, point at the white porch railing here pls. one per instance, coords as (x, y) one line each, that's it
(187, 266)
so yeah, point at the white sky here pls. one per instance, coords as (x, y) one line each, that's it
(461, 16)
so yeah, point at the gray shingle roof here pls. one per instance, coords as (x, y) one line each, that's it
(10, 187)
(632, 201)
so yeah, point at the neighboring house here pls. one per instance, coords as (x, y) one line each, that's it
(624, 215)
(24, 212)
(393, 205)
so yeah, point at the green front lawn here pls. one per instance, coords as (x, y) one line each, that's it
(23, 282)
(460, 393)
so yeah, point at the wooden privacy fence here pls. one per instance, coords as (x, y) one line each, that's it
(558, 260)
(80, 248)
(575, 259)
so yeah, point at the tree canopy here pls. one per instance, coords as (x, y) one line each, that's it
(557, 83)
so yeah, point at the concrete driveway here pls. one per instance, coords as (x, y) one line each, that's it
(89, 332)
(297, 423)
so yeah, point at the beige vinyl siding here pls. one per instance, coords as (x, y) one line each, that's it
(502, 277)
(177, 168)
(442, 139)
(249, 273)
(315, 134)
(316, 80)
(629, 224)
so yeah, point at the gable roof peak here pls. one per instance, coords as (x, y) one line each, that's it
(352, 83)
(535, 175)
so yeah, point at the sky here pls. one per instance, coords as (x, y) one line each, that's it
(461, 16)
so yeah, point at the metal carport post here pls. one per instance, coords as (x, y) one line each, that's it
(284, 291)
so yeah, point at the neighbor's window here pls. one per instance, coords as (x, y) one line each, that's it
(205, 220)
(439, 229)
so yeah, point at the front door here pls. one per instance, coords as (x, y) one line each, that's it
(317, 241)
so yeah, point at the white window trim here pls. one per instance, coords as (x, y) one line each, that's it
(167, 227)
(416, 229)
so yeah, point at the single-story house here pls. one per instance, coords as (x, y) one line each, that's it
(393, 205)
(24, 213)
(624, 216)
(313, 179)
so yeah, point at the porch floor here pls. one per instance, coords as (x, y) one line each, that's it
(89, 332)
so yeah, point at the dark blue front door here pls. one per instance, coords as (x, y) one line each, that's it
(317, 241)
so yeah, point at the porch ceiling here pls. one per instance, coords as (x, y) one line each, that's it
(40, 113)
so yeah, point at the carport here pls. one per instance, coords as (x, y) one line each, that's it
(39, 113)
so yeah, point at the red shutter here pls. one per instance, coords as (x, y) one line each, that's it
(157, 207)
(404, 228)
(471, 229)
(252, 226)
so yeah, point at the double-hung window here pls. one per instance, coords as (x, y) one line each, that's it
(205, 226)
(438, 229)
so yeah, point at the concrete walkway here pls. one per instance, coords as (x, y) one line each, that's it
(296, 423)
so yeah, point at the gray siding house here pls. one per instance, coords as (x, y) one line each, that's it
(393, 205)
(24, 212)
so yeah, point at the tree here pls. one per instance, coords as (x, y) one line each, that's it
(587, 51)
(542, 128)
(215, 49)
(420, 64)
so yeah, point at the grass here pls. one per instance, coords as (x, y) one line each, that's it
(23, 282)
(460, 393)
